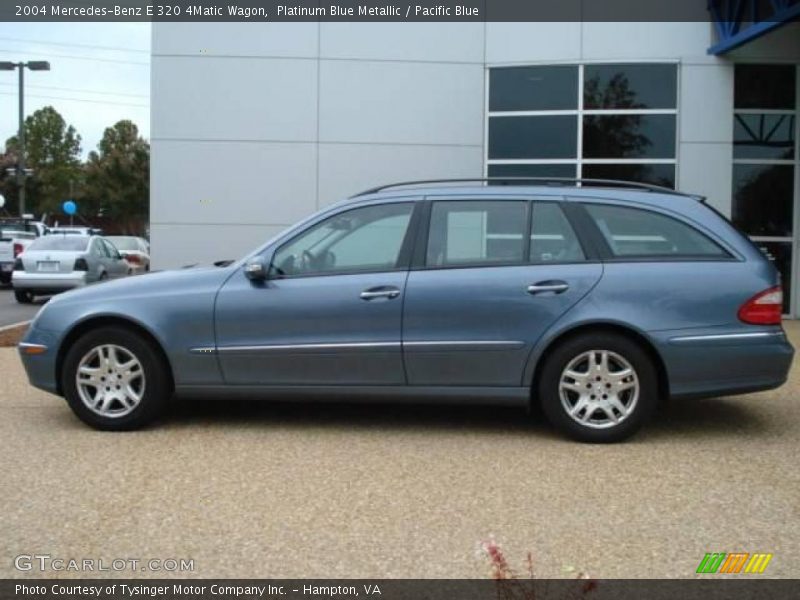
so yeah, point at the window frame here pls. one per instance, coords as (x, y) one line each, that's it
(569, 209)
(607, 255)
(421, 254)
(579, 113)
(793, 289)
(403, 259)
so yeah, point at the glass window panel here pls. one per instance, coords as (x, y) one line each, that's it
(363, 239)
(630, 86)
(762, 199)
(475, 232)
(533, 88)
(548, 170)
(629, 136)
(637, 232)
(533, 137)
(656, 174)
(763, 136)
(764, 86)
(552, 237)
(780, 253)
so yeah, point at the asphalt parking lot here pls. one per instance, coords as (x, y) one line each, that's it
(270, 490)
(12, 312)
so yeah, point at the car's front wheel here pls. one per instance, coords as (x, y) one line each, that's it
(115, 379)
(598, 387)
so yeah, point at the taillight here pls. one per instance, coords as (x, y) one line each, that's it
(765, 308)
(81, 264)
(18, 266)
(18, 249)
(133, 258)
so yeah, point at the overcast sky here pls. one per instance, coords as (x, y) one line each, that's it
(100, 73)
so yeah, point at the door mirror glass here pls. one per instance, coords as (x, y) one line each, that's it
(255, 270)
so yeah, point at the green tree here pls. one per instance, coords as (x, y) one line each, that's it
(118, 177)
(52, 150)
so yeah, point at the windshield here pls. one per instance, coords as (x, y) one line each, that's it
(70, 243)
(124, 243)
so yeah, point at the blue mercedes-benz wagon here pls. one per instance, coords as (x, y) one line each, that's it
(594, 300)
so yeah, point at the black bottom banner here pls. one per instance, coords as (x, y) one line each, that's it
(398, 589)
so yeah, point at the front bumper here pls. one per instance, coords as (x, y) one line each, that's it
(49, 282)
(40, 366)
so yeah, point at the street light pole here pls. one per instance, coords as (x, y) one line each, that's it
(22, 173)
(21, 137)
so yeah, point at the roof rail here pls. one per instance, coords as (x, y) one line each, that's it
(537, 180)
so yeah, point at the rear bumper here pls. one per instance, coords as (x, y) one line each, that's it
(716, 362)
(48, 282)
(6, 269)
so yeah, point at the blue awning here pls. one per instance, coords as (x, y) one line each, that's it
(741, 21)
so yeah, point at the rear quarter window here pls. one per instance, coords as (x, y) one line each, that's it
(640, 233)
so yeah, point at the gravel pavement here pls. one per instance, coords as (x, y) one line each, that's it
(270, 490)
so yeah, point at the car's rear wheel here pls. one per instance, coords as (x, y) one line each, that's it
(23, 296)
(115, 379)
(599, 387)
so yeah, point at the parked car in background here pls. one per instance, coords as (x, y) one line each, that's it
(59, 262)
(15, 235)
(595, 302)
(76, 230)
(133, 249)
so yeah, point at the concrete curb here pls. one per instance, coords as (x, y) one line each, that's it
(14, 325)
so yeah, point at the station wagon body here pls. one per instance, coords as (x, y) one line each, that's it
(493, 294)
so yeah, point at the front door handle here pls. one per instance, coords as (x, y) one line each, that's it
(380, 292)
(555, 286)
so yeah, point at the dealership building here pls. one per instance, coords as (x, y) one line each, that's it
(257, 125)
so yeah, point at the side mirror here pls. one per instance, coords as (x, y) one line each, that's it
(255, 270)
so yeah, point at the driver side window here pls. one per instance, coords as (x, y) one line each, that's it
(359, 240)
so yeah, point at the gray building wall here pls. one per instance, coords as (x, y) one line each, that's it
(257, 125)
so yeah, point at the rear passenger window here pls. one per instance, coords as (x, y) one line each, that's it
(476, 232)
(633, 232)
(552, 237)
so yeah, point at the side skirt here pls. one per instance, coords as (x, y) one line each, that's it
(495, 396)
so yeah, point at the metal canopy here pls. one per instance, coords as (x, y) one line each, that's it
(740, 21)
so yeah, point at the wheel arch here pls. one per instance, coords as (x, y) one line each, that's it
(537, 360)
(82, 327)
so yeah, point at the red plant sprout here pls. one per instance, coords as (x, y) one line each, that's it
(512, 587)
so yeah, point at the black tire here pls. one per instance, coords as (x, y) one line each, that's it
(23, 296)
(563, 354)
(157, 381)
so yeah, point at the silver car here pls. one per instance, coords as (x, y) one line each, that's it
(135, 250)
(56, 263)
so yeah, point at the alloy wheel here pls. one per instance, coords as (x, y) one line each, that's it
(110, 380)
(599, 389)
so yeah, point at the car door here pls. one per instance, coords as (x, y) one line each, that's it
(489, 278)
(116, 265)
(329, 312)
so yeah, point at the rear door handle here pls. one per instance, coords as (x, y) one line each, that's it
(380, 292)
(557, 287)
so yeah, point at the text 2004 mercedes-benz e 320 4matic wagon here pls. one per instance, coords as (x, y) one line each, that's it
(594, 302)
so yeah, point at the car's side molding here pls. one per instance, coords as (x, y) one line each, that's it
(422, 345)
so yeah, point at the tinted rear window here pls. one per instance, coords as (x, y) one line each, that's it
(72, 243)
(634, 232)
(124, 243)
